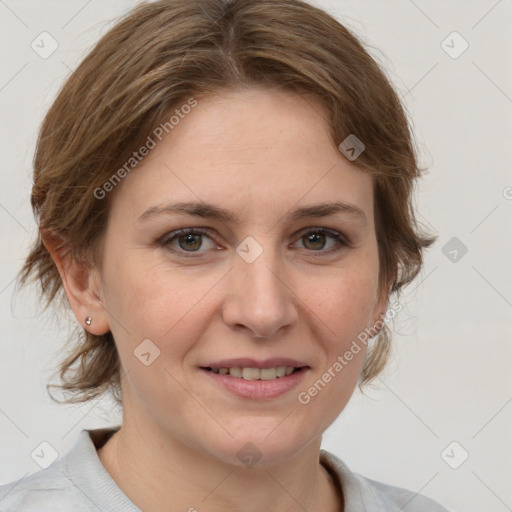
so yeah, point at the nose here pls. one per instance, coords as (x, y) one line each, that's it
(260, 298)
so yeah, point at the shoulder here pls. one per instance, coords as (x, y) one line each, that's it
(402, 499)
(362, 493)
(48, 489)
(77, 482)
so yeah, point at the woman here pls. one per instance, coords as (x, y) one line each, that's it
(223, 191)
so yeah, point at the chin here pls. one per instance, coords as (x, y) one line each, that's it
(263, 443)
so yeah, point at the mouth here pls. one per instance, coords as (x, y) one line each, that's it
(257, 380)
(251, 373)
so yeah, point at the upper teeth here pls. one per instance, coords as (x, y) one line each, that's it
(255, 373)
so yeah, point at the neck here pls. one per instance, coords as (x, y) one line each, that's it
(154, 472)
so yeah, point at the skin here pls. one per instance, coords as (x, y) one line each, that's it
(260, 154)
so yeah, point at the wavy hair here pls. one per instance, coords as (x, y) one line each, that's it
(153, 60)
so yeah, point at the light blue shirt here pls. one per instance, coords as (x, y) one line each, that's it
(78, 482)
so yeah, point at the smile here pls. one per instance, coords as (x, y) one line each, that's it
(256, 379)
(249, 373)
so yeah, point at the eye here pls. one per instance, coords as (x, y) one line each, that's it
(322, 239)
(188, 240)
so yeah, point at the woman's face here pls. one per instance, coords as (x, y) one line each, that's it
(277, 267)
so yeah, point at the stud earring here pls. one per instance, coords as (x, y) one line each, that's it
(88, 320)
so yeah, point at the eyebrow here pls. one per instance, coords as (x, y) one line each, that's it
(210, 211)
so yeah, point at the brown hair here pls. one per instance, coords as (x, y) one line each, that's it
(159, 56)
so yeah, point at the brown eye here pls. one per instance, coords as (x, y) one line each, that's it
(314, 241)
(322, 240)
(190, 242)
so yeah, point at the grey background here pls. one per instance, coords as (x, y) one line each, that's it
(449, 376)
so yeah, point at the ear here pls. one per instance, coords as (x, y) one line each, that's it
(81, 283)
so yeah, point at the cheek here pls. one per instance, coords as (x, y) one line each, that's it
(344, 302)
(139, 299)
(343, 309)
(348, 314)
(153, 301)
(155, 317)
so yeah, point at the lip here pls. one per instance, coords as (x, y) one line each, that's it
(246, 362)
(256, 389)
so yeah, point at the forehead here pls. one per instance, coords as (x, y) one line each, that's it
(255, 151)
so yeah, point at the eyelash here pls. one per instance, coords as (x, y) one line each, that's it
(341, 240)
